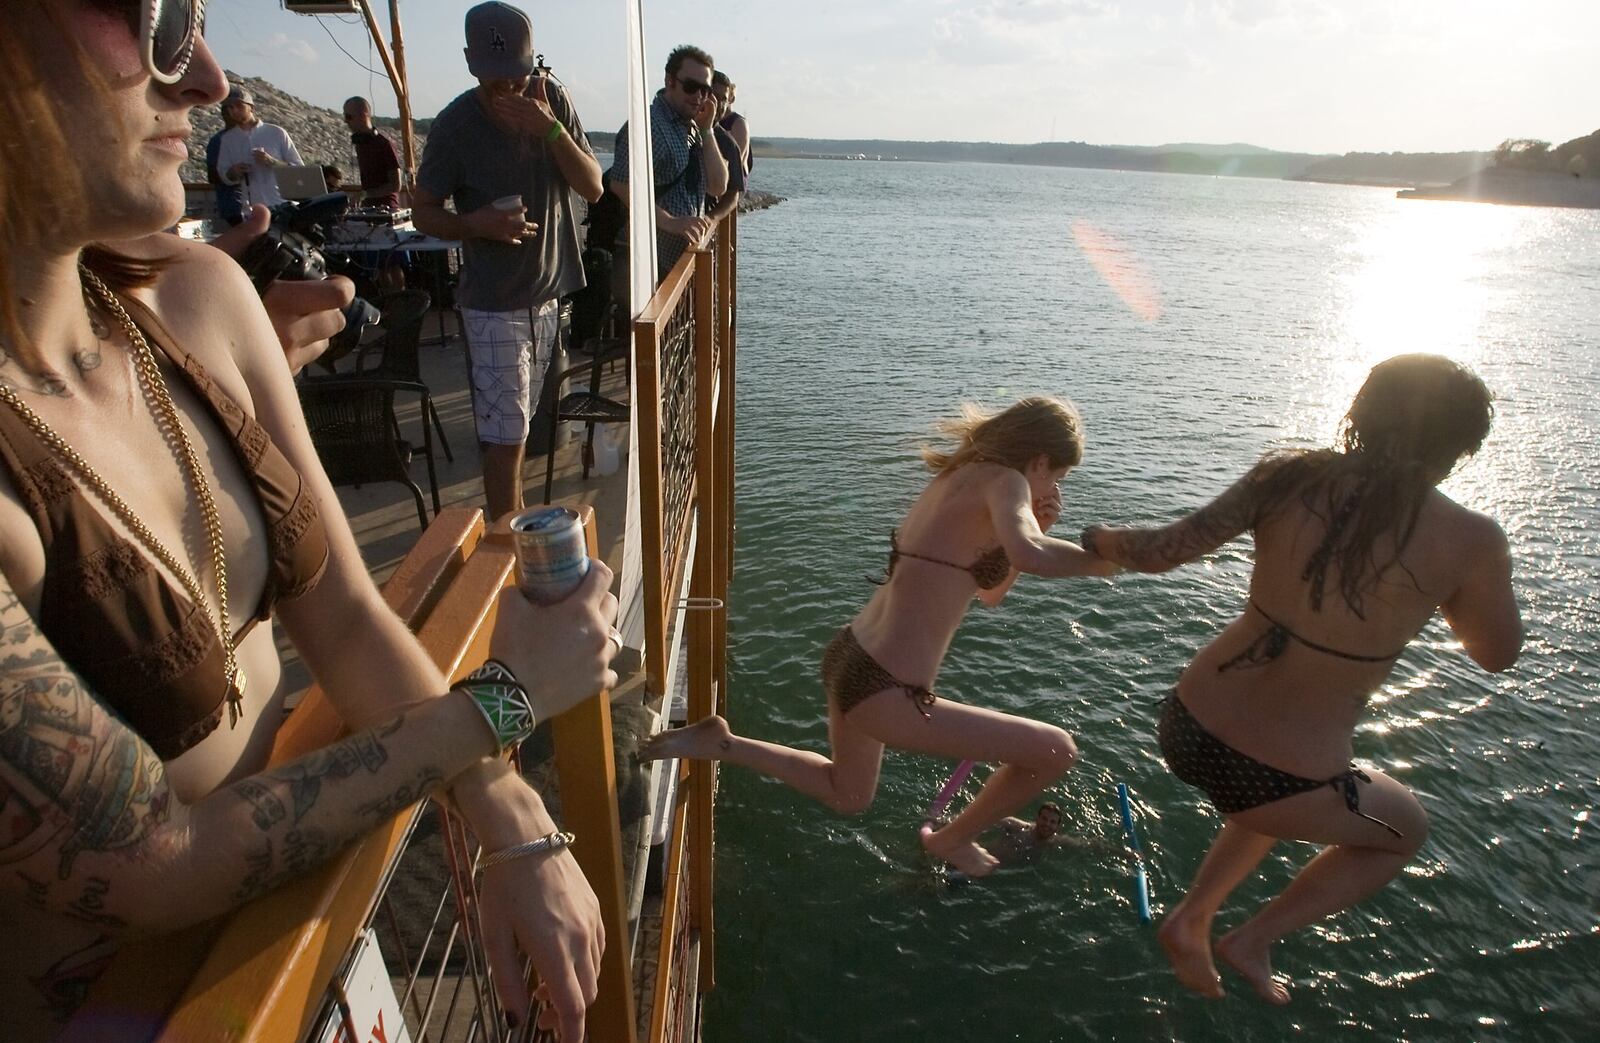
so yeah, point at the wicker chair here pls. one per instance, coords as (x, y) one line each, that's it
(357, 436)
(394, 355)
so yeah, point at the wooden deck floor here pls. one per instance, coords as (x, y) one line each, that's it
(384, 516)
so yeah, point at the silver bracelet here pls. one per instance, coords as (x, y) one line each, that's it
(552, 842)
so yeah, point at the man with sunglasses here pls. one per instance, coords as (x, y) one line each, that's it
(252, 151)
(687, 166)
(510, 153)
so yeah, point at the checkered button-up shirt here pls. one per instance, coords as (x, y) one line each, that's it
(679, 174)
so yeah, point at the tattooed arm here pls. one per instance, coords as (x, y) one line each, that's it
(373, 669)
(1165, 548)
(93, 830)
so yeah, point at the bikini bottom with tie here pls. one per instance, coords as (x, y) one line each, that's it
(850, 675)
(1235, 781)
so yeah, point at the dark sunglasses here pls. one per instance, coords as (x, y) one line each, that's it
(167, 32)
(694, 87)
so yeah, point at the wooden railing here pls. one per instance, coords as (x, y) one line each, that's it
(263, 975)
(684, 341)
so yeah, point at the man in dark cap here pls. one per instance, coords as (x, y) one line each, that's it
(510, 152)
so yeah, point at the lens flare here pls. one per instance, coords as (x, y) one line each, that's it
(1121, 270)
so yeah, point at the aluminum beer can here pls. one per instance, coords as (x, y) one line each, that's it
(552, 554)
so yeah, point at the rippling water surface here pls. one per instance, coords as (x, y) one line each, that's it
(1196, 322)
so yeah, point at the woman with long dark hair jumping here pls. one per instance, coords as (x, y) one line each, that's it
(1355, 549)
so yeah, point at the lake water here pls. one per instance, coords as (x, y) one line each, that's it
(1196, 322)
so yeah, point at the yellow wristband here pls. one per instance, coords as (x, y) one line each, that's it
(554, 132)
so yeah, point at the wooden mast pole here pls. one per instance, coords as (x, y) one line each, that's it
(397, 78)
(407, 138)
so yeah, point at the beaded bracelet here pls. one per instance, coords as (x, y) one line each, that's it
(552, 842)
(502, 700)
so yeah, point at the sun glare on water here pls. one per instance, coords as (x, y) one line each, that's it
(1417, 280)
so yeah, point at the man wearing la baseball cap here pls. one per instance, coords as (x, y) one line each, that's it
(509, 152)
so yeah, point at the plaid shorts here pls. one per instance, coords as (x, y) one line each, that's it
(510, 351)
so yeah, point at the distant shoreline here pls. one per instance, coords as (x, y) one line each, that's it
(1516, 188)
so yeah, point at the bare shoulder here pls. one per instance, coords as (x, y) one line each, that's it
(993, 478)
(210, 306)
(1464, 530)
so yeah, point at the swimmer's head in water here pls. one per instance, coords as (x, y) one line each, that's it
(1047, 823)
(1420, 411)
(1014, 437)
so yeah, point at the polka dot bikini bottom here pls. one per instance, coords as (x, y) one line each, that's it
(1234, 781)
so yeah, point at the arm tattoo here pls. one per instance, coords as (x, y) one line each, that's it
(65, 985)
(71, 774)
(384, 808)
(279, 800)
(1200, 533)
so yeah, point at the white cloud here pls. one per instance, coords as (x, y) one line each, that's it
(1306, 16)
(283, 44)
(997, 32)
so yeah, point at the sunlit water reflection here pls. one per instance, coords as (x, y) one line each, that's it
(1196, 321)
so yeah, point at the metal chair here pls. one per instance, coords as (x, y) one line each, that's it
(587, 407)
(353, 427)
(593, 312)
(394, 355)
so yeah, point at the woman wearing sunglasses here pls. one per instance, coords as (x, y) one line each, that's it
(159, 502)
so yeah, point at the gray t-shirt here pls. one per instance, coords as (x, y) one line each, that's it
(470, 160)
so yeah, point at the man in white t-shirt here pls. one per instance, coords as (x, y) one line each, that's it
(251, 152)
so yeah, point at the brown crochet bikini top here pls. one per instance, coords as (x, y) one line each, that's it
(147, 651)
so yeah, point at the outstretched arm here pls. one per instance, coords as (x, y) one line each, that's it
(373, 669)
(1030, 550)
(1160, 549)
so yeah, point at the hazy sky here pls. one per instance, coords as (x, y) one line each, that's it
(1299, 75)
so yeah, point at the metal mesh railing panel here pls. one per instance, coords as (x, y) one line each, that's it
(678, 427)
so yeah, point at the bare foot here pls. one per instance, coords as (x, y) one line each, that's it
(1187, 943)
(968, 857)
(704, 740)
(1255, 964)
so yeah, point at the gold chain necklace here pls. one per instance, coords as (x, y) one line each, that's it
(155, 392)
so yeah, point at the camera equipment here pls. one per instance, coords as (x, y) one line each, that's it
(291, 249)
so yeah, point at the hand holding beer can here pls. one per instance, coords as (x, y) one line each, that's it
(552, 552)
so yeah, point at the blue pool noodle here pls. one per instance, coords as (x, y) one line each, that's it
(1141, 882)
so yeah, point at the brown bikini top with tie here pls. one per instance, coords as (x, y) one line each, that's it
(989, 570)
(142, 646)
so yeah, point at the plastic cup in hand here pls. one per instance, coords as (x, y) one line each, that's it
(507, 203)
